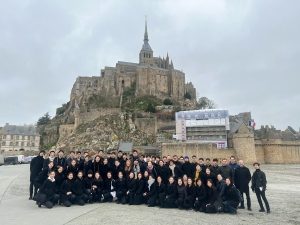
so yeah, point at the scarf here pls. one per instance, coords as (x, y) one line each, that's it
(150, 182)
(51, 159)
(172, 168)
(53, 180)
(149, 169)
(196, 176)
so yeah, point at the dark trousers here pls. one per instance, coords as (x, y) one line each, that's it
(31, 189)
(121, 197)
(200, 205)
(180, 202)
(248, 198)
(70, 201)
(130, 198)
(210, 209)
(262, 195)
(160, 199)
(51, 201)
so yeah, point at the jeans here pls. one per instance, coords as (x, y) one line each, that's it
(228, 208)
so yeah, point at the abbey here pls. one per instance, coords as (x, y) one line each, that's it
(154, 76)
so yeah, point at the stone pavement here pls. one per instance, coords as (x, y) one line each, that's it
(282, 192)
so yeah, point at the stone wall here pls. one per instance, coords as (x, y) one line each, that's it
(147, 125)
(94, 114)
(259, 151)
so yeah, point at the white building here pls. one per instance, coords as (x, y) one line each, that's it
(19, 138)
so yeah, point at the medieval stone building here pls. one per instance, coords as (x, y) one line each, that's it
(154, 76)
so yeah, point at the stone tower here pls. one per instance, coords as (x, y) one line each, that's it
(146, 54)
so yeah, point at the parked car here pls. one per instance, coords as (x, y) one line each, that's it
(28, 159)
(20, 158)
(11, 160)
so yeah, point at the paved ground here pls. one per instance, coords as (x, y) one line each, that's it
(283, 193)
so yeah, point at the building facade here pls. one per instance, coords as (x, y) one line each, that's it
(19, 138)
(151, 76)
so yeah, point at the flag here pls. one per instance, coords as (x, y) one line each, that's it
(251, 124)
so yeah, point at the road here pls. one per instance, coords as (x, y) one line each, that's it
(15, 208)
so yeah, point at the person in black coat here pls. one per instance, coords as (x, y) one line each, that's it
(163, 171)
(242, 177)
(109, 188)
(145, 178)
(225, 170)
(67, 198)
(59, 178)
(96, 166)
(151, 169)
(231, 197)
(140, 189)
(209, 175)
(86, 166)
(97, 187)
(215, 167)
(43, 175)
(49, 159)
(221, 185)
(161, 192)
(215, 203)
(187, 167)
(104, 169)
(121, 189)
(47, 197)
(73, 168)
(131, 187)
(198, 174)
(171, 194)
(116, 169)
(259, 186)
(36, 166)
(190, 195)
(151, 192)
(60, 161)
(78, 190)
(181, 194)
(201, 196)
(87, 185)
(175, 171)
(128, 168)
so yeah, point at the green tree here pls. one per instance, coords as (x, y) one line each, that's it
(187, 95)
(46, 119)
(205, 103)
(150, 108)
(167, 101)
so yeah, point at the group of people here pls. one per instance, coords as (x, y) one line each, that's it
(165, 182)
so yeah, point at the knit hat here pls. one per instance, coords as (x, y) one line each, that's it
(186, 157)
(90, 172)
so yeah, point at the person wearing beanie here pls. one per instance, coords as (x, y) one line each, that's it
(36, 166)
(87, 185)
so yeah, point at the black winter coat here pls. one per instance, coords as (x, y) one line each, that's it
(215, 170)
(178, 172)
(65, 187)
(87, 183)
(181, 191)
(214, 198)
(231, 195)
(121, 185)
(43, 175)
(131, 185)
(46, 162)
(48, 188)
(226, 172)
(161, 188)
(78, 187)
(99, 184)
(211, 176)
(59, 178)
(152, 192)
(86, 166)
(60, 162)
(116, 170)
(96, 167)
(191, 192)
(104, 170)
(221, 185)
(201, 193)
(109, 185)
(242, 178)
(188, 169)
(36, 166)
(164, 173)
(259, 180)
(74, 170)
(140, 186)
(111, 162)
(171, 191)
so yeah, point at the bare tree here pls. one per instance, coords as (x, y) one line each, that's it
(205, 103)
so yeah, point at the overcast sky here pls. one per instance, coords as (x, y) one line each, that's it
(244, 55)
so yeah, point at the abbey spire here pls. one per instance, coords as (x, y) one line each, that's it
(146, 46)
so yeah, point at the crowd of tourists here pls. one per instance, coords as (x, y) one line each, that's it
(167, 182)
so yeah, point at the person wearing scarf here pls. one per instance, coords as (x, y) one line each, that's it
(176, 172)
(151, 193)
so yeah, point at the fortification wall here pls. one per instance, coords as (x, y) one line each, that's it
(259, 151)
(290, 151)
(96, 113)
(245, 147)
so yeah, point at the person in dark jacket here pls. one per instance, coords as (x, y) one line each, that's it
(201, 196)
(225, 170)
(96, 167)
(202, 165)
(233, 164)
(145, 178)
(71, 157)
(136, 168)
(171, 194)
(121, 188)
(141, 183)
(207, 163)
(131, 187)
(87, 186)
(86, 166)
(128, 168)
(49, 159)
(242, 177)
(215, 203)
(73, 168)
(175, 171)
(43, 175)
(151, 192)
(190, 195)
(198, 174)
(163, 171)
(151, 169)
(67, 198)
(259, 186)
(209, 175)
(221, 185)
(161, 192)
(215, 167)
(97, 187)
(48, 198)
(78, 190)
(181, 193)
(36, 166)
(112, 159)
(59, 178)
(60, 160)
(187, 167)
(116, 169)
(231, 197)
(109, 188)
(104, 169)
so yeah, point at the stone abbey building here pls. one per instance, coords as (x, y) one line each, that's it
(154, 76)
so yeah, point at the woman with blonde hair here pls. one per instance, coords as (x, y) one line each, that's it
(128, 168)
